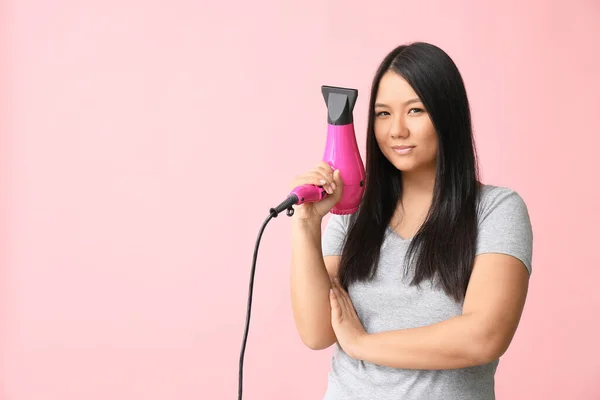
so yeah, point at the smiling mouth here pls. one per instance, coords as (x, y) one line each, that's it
(403, 149)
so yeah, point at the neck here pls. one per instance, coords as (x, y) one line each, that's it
(417, 196)
(418, 184)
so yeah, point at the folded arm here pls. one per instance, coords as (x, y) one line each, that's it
(482, 333)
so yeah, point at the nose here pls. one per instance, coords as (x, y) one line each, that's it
(398, 128)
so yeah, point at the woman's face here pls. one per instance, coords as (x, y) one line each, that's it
(403, 129)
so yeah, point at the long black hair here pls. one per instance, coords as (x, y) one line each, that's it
(443, 249)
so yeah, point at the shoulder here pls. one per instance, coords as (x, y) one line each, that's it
(504, 225)
(340, 220)
(334, 235)
(494, 200)
(337, 225)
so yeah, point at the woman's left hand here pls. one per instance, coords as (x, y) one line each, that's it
(344, 320)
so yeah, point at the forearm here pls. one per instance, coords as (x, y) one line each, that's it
(310, 284)
(455, 343)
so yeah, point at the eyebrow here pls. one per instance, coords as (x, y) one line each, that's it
(415, 100)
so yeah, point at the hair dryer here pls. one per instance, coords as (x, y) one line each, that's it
(341, 152)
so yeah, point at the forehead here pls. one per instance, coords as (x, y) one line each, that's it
(394, 89)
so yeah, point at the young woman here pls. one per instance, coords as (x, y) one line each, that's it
(422, 289)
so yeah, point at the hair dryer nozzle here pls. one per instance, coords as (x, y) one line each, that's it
(340, 104)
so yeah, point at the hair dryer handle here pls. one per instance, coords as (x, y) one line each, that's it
(309, 193)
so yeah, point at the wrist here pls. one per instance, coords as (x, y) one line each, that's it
(362, 346)
(307, 223)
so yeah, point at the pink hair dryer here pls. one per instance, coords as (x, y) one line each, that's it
(341, 152)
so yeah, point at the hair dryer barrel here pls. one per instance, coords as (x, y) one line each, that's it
(341, 152)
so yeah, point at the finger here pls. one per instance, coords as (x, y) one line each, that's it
(340, 295)
(335, 306)
(324, 166)
(322, 179)
(326, 170)
(337, 177)
(344, 296)
(311, 178)
(337, 184)
(330, 174)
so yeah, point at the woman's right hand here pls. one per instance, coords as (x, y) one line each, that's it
(325, 176)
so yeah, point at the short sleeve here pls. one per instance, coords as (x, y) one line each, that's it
(504, 225)
(334, 235)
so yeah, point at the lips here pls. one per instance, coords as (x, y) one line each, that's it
(403, 149)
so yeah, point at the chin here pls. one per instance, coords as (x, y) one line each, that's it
(408, 164)
(405, 168)
(405, 165)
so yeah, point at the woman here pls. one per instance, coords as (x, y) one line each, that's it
(422, 289)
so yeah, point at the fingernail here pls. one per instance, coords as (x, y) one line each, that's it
(323, 181)
(333, 185)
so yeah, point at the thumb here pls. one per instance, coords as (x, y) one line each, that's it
(325, 205)
(339, 183)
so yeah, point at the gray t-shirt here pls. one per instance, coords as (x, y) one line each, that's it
(388, 302)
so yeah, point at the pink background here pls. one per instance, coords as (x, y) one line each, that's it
(143, 144)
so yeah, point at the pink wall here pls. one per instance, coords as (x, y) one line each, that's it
(131, 131)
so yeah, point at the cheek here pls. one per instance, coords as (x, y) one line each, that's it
(428, 138)
(380, 133)
(432, 140)
(432, 145)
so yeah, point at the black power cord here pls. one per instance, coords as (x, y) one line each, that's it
(273, 213)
